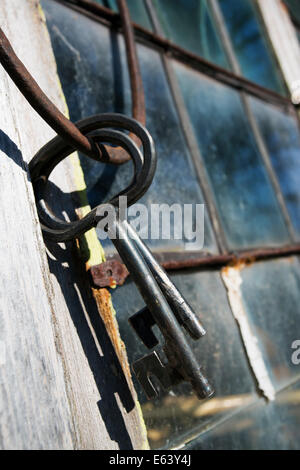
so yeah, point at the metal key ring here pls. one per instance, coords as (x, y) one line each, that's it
(50, 222)
(56, 150)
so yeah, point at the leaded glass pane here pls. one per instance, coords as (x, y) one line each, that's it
(190, 25)
(245, 199)
(95, 80)
(137, 11)
(281, 134)
(250, 44)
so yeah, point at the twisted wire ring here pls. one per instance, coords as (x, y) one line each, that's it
(99, 128)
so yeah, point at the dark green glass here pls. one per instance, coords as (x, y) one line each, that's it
(189, 24)
(137, 11)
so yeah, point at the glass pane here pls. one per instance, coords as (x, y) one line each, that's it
(189, 24)
(271, 294)
(244, 196)
(95, 79)
(137, 10)
(281, 134)
(250, 45)
(262, 426)
(294, 7)
(178, 415)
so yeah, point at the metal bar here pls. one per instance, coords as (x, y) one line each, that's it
(225, 37)
(118, 155)
(136, 83)
(41, 103)
(219, 261)
(51, 114)
(110, 18)
(153, 18)
(188, 260)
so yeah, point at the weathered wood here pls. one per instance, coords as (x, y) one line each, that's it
(61, 382)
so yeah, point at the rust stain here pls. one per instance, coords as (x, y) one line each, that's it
(109, 274)
(239, 263)
(104, 304)
(175, 261)
(112, 283)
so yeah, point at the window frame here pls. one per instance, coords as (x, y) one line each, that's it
(171, 51)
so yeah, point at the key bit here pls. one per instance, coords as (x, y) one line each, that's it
(152, 366)
(182, 364)
(142, 322)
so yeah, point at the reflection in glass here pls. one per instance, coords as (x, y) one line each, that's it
(261, 426)
(178, 415)
(137, 11)
(95, 80)
(244, 196)
(250, 45)
(190, 25)
(281, 134)
(271, 294)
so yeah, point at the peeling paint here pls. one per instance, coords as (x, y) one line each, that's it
(232, 279)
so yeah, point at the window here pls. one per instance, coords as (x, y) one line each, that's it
(226, 136)
(191, 26)
(250, 44)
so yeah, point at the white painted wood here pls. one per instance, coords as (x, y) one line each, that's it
(34, 408)
(59, 378)
(283, 38)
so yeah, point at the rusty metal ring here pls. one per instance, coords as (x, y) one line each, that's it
(57, 149)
